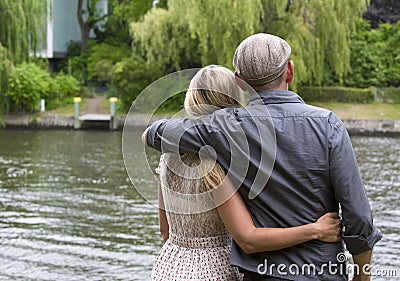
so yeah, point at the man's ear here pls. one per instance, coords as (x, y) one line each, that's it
(289, 72)
(242, 85)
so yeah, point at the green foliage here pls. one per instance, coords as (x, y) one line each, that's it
(130, 10)
(130, 77)
(23, 27)
(219, 26)
(318, 31)
(172, 104)
(29, 83)
(335, 94)
(191, 33)
(74, 48)
(75, 64)
(319, 34)
(165, 42)
(375, 60)
(389, 95)
(64, 87)
(6, 67)
(121, 14)
(180, 38)
(102, 59)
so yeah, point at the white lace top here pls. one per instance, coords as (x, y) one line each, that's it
(186, 197)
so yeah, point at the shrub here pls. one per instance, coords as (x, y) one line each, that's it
(63, 87)
(130, 76)
(374, 56)
(389, 95)
(335, 94)
(102, 59)
(27, 85)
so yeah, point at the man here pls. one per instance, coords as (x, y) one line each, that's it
(315, 170)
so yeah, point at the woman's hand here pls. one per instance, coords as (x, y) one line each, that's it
(329, 228)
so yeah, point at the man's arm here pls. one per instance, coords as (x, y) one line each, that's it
(251, 239)
(360, 233)
(363, 262)
(185, 135)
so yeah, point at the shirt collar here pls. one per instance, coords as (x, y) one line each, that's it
(275, 96)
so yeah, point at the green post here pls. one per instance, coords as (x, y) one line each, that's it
(113, 117)
(77, 104)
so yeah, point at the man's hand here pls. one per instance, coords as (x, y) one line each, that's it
(329, 228)
(144, 136)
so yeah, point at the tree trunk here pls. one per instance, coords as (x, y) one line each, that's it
(85, 28)
(85, 38)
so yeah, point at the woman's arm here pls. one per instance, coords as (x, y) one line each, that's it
(162, 216)
(237, 220)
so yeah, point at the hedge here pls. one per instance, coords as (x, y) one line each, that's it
(388, 95)
(335, 94)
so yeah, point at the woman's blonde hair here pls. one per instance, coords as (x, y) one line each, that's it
(213, 87)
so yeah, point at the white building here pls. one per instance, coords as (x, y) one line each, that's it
(63, 26)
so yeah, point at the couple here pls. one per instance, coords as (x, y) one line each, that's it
(289, 229)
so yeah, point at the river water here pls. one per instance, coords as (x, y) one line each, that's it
(68, 210)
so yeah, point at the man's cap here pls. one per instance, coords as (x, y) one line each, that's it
(261, 58)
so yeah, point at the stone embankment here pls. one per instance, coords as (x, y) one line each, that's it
(50, 120)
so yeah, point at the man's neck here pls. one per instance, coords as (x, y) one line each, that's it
(284, 87)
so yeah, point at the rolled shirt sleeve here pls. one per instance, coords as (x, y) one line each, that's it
(360, 233)
(154, 133)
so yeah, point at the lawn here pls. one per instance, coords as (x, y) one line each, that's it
(68, 108)
(371, 111)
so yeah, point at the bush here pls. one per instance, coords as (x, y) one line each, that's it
(131, 76)
(389, 95)
(102, 59)
(335, 94)
(64, 87)
(28, 84)
(374, 56)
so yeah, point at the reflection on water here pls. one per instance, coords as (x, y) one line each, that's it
(69, 211)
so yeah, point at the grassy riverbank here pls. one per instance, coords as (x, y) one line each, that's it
(370, 111)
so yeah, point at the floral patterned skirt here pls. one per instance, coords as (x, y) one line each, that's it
(183, 258)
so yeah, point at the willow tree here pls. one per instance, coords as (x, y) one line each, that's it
(164, 41)
(23, 30)
(205, 31)
(219, 25)
(23, 27)
(319, 34)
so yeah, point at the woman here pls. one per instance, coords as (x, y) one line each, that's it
(196, 235)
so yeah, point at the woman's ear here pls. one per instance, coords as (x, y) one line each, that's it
(241, 83)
